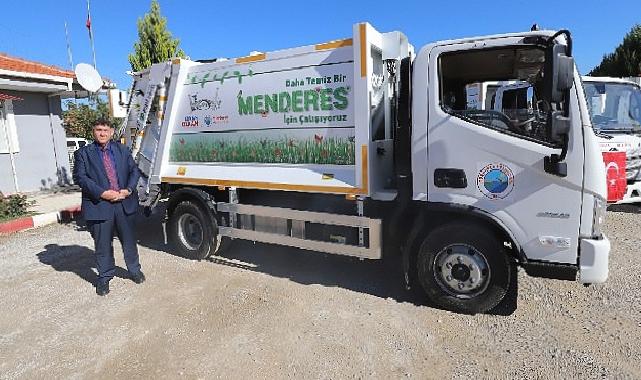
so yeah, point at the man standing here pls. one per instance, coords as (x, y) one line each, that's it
(107, 175)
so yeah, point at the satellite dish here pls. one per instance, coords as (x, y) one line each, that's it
(88, 77)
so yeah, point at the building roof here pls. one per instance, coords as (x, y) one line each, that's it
(10, 63)
(9, 97)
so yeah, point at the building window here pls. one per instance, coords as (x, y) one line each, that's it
(8, 131)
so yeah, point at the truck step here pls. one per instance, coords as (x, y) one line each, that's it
(372, 251)
(313, 245)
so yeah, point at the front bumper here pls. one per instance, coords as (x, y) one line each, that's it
(593, 262)
(632, 194)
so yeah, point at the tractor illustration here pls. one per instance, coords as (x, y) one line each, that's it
(197, 104)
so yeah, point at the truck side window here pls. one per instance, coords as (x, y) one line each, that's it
(499, 88)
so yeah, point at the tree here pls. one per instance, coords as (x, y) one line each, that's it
(625, 61)
(155, 43)
(78, 119)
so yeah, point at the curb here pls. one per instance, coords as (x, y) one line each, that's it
(63, 216)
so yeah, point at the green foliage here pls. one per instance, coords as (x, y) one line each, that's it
(13, 206)
(155, 43)
(333, 151)
(625, 61)
(79, 118)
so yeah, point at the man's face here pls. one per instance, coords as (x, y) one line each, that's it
(102, 133)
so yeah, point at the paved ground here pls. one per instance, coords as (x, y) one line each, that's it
(269, 312)
(49, 201)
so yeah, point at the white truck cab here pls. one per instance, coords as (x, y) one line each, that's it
(540, 207)
(360, 147)
(615, 108)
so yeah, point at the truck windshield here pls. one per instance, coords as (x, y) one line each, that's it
(614, 107)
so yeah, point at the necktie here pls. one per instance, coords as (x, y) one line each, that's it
(111, 171)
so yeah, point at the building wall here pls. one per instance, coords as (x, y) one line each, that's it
(42, 161)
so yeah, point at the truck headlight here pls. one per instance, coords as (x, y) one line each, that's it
(598, 218)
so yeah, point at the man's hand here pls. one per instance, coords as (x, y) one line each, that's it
(111, 196)
(124, 193)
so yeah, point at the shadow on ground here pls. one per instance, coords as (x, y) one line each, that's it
(75, 259)
(380, 278)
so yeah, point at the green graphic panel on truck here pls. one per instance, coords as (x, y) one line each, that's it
(279, 148)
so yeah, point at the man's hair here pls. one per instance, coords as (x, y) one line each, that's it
(102, 121)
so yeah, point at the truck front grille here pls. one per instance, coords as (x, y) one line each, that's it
(632, 166)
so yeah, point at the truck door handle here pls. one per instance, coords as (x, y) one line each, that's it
(452, 178)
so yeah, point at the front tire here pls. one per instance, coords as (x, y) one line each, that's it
(192, 231)
(464, 268)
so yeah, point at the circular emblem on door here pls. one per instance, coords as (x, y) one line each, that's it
(495, 181)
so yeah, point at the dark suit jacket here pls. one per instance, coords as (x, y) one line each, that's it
(90, 174)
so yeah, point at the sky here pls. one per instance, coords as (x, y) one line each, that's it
(34, 29)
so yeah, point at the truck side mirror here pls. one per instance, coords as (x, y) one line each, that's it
(559, 72)
(562, 73)
(559, 126)
(558, 129)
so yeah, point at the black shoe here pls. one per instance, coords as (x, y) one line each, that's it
(102, 289)
(138, 278)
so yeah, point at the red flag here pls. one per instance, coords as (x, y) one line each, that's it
(88, 24)
(615, 175)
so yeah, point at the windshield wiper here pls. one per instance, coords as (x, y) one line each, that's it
(599, 133)
(629, 131)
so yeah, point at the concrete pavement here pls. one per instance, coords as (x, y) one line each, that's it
(48, 208)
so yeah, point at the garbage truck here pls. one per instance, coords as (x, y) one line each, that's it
(366, 148)
(615, 108)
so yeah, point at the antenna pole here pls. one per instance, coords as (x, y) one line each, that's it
(69, 55)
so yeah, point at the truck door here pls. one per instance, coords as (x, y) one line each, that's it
(502, 152)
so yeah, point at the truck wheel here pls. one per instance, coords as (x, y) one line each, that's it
(192, 231)
(464, 268)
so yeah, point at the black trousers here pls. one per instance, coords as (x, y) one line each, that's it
(103, 231)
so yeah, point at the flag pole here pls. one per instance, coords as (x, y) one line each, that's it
(93, 50)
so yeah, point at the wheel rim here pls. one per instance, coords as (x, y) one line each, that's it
(190, 231)
(461, 270)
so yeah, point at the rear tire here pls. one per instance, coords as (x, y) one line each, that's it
(464, 268)
(192, 231)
